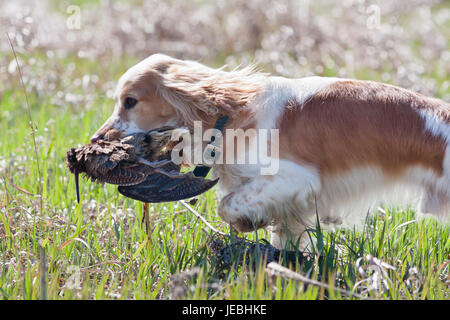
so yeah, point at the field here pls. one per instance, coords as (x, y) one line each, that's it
(53, 248)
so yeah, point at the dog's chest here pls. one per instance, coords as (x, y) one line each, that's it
(230, 178)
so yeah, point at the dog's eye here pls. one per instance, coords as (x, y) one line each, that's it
(130, 102)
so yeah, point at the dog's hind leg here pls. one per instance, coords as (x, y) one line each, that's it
(436, 202)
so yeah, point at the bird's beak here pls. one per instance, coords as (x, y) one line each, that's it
(154, 164)
(77, 186)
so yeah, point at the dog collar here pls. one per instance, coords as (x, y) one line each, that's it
(202, 171)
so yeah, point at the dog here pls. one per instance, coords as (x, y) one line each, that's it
(344, 145)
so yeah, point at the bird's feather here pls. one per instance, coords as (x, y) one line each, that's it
(139, 165)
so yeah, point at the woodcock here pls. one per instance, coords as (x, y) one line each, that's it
(140, 165)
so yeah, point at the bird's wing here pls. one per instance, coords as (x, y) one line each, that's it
(164, 187)
(124, 175)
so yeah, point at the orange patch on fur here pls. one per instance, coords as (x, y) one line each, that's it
(352, 124)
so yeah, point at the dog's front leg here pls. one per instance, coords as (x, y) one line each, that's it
(272, 199)
(246, 208)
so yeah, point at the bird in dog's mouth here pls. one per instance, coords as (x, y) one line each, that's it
(140, 165)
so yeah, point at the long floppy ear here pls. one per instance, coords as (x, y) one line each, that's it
(201, 93)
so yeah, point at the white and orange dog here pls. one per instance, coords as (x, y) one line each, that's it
(344, 145)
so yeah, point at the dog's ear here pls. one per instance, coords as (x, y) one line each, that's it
(201, 93)
(162, 66)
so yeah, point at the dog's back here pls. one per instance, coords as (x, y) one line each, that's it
(370, 142)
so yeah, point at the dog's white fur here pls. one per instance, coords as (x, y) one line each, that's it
(289, 200)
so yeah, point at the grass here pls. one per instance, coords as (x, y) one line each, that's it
(99, 249)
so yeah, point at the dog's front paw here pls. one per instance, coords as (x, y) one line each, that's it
(242, 214)
(248, 224)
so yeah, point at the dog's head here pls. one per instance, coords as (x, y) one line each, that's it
(161, 91)
(137, 104)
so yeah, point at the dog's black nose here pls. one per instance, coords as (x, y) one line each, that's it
(97, 137)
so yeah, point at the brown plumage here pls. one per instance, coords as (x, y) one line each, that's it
(124, 162)
(139, 165)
